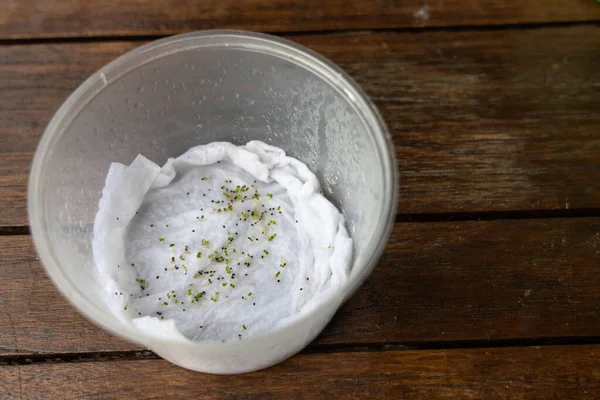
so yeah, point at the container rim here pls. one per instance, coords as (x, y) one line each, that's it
(114, 70)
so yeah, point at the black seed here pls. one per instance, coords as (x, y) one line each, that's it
(151, 225)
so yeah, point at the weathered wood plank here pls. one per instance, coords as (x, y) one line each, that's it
(501, 120)
(558, 372)
(76, 18)
(436, 282)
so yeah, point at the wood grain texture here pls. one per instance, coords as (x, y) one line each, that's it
(558, 372)
(481, 121)
(76, 18)
(436, 282)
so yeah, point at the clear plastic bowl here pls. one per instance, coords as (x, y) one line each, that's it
(172, 94)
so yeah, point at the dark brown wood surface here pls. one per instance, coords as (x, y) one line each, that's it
(482, 121)
(494, 108)
(561, 372)
(80, 18)
(436, 282)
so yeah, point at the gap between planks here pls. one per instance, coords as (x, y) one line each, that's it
(26, 359)
(433, 217)
(326, 32)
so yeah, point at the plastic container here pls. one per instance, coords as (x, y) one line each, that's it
(172, 94)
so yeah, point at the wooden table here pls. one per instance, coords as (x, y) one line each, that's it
(490, 284)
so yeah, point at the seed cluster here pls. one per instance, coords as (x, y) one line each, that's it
(213, 265)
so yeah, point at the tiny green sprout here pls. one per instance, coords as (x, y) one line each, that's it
(228, 270)
(199, 255)
(184, 267)
(140, 281)
(162, 317)
(125, 308)
(209, 281)
(232, 285)
(168, 295)
(215, 297)
(329, 246)
(244, 327)
(189, 292)
(277, 274)
(165, 303)
(278, 208)
(273, 236)
(219, 210)
(172, 245)
(205, 242)
(250, 294)
(204, 178)
(269, 195)
(266, 252)
(181, 257)
(161, 239)
(196, 275)
(250, 239)
(172, 259)
(272, 222)
(224, 284)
